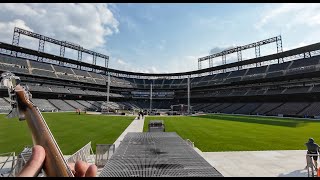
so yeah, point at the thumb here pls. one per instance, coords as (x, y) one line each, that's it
(35, 162)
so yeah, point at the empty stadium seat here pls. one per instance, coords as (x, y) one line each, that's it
(44, 105)
(248, 108)
(75, 104)
(266, 107)
(5, 106)
(312, 110)
(40, 65)
(61, 105)
(289, 108)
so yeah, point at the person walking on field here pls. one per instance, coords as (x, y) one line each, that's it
(140, 115)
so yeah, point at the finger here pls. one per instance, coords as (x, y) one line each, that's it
(92, 171)
(81, 168)
(71, 166)
(35, 162)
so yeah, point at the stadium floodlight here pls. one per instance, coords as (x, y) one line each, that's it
(63, 44)
(238, 49)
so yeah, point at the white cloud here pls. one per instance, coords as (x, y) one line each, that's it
(6, 29)
(84, 24)
(290, 15)
(120, 64)
(217, 49)
(182, 64)
(298, 23)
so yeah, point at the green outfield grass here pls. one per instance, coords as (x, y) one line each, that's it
(70, 130)
(242, 133)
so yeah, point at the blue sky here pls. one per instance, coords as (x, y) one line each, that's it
(166, 37)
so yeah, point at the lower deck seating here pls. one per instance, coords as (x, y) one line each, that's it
(199, 106)
(88, 105)
(289, 108)
(75, 104)
(210, 107)
(247, 108)
(5, 106)
(63, 106)
(232, 108)
(312, 110)
(301, 109)
(221, 107)
(44, 105)
(266, 107)
(95, 103)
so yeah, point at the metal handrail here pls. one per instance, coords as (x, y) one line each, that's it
(7, 160)
(80, 153)
(11, 154)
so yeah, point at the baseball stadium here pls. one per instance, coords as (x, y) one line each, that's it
(250, 117)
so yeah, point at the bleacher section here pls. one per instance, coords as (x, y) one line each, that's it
(247, 108)
(221, 107)
(67, 77)
(81, 73)
(9, 63)
(59, 90)
(95, 103)
(312, 110)
(36, 88)
(5, 106)
(301, 109)
(209, 107)
(76, 91)
(13, 68)
(75, 104)
(62, 69)
(232, 108)
(289, 108)
(199, 106)
(89, 106)
(296, 90)
(13, 60)
(44, 105)
(255, 90)
(39, 65)
(63, 106)
(265, 108)
(303, 65)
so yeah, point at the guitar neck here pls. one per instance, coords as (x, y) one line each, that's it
(54, 163)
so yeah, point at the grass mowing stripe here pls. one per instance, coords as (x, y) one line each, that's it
(242, 133)
(70, 130)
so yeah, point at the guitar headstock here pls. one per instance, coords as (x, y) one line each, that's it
(12, 82)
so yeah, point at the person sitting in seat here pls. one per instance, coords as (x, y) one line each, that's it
(313, 148)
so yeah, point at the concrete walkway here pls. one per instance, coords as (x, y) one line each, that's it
(283, 163)
(135, 126)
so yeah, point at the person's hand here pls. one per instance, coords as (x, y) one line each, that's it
(34, 165)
